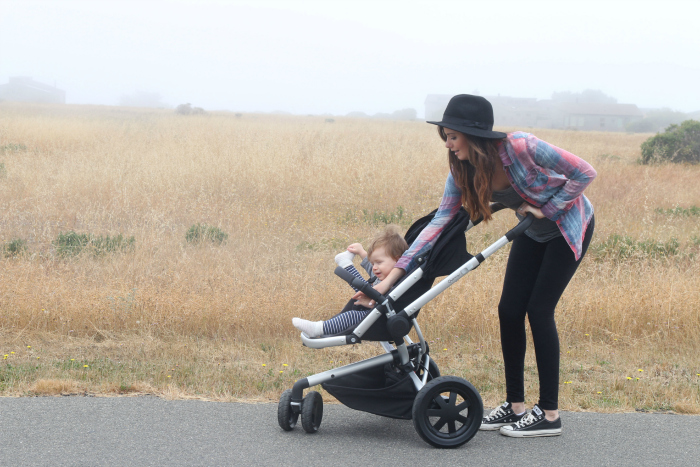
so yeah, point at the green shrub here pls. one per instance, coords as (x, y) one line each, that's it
(680, 212)
(12, 148)
(15, 247)
(72, 244)
(622, 247)
(107, 244)
(657, 249)
(187, 109)
(3, 170)
(200, 233)
(679, 143)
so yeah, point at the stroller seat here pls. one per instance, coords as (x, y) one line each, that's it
(448, 254)
(378, 330)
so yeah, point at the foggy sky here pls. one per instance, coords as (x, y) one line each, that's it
(341, 56)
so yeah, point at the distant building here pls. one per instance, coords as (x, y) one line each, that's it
(600, 117)
(532, 113)
(25, 89)
(521, 112)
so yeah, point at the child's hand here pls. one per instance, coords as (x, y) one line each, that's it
(383, 288)
(364, 300)
(358, 250)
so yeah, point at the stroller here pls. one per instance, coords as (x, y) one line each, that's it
(404, 382)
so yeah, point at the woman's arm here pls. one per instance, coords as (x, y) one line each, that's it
(579, 174)
(449, 206)
(383, 287)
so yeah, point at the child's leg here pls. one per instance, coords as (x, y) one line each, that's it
(341, 322)
(352, 270)
(335, 325)
(344, 260)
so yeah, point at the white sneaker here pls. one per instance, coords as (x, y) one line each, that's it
(500, 416)
(533, 424)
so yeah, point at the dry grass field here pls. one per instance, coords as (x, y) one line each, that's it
(166, 316)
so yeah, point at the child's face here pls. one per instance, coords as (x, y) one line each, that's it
(382, 264)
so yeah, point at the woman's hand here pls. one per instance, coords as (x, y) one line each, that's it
(383, 287)
(526, 207)
(358, 250)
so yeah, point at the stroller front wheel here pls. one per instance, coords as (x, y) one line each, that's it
(285, 415)
(447, 412)
(311, 412)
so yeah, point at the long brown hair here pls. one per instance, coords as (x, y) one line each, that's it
(474, 175)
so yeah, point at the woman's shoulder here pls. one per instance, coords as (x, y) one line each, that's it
(520, 144)
(519, 135)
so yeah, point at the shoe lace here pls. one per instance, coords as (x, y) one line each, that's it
(495, 413)
(525, 421)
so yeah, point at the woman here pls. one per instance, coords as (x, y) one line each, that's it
(527, 175)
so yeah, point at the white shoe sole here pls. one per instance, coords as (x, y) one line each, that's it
(493, 426)
(531, 434)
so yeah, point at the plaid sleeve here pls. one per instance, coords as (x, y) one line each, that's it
(579, 175)
(450, 204)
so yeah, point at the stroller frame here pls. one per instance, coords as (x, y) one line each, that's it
(411, 359)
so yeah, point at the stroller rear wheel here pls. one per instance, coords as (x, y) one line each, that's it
(447, 412)
(285, 415)
(311, 412)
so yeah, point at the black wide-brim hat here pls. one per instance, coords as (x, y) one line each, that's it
(471, 115)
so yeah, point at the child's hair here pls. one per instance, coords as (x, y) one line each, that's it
(391, 240)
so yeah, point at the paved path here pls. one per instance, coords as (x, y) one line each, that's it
(125, 431)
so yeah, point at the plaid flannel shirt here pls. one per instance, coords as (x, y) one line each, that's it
(544, 175)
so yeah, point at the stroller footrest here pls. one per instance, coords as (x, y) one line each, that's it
(323, 342)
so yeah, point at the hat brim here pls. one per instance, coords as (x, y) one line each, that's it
(468, 130)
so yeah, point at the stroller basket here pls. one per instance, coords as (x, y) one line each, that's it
(378, 390)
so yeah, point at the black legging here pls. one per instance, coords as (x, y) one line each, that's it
(536, 276)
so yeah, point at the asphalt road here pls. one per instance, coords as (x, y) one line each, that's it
(125, 431)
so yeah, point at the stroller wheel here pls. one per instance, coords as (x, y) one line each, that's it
(311, 412)
(285, 415)
(447, 412)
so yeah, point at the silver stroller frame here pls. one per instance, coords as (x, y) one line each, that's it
(404, 354)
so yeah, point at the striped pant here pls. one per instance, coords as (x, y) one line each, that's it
(347, 319)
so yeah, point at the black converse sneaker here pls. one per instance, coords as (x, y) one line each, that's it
(533, 424)
(500, 416)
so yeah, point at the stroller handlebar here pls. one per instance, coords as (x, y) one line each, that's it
(522, 226)
(360, 285)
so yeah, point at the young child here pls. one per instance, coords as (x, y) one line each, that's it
(383, 253)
